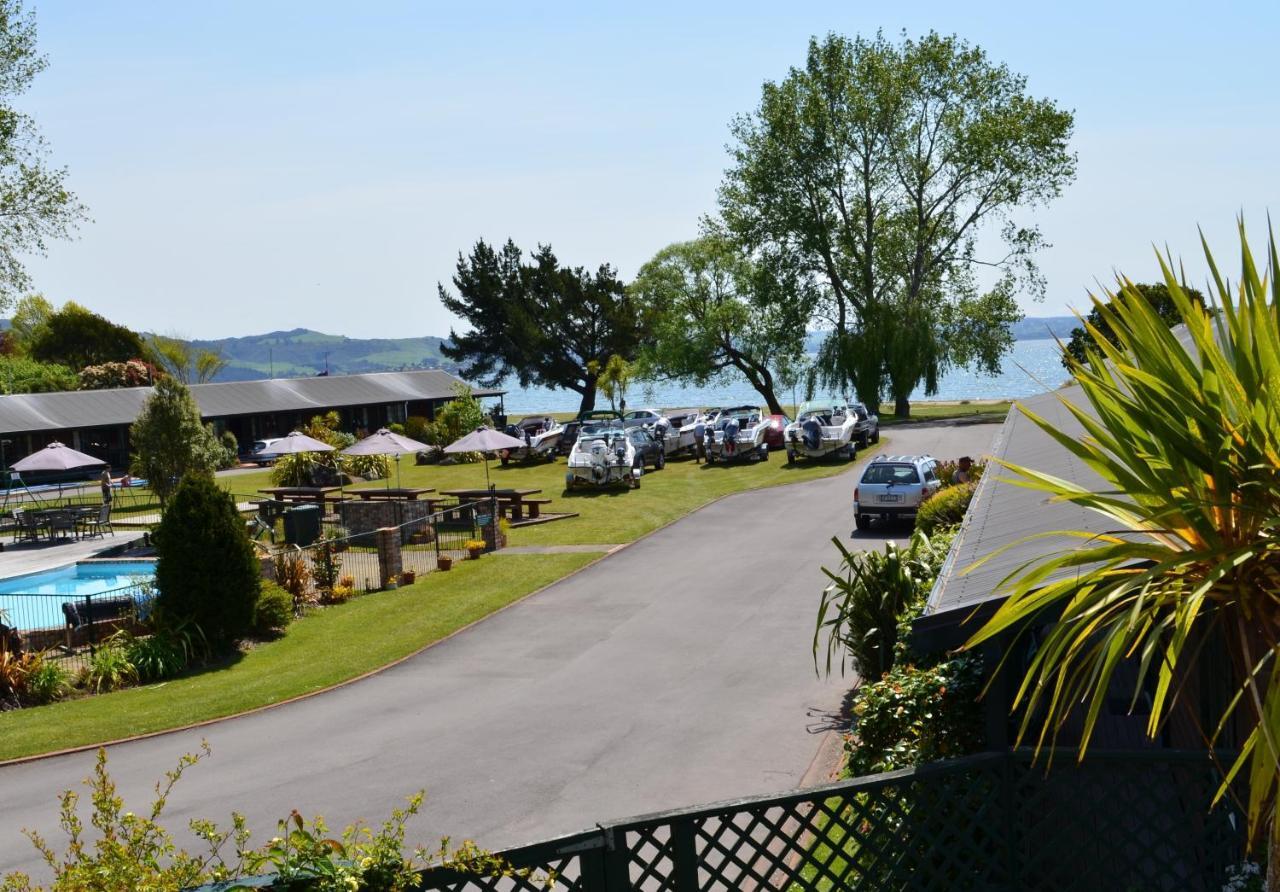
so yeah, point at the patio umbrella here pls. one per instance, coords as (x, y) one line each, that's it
(56, 457)
(384, 442)
(485, 440)
(298, 442)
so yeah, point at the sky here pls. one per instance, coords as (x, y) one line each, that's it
(256, 166)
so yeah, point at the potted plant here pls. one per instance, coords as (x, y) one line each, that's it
(444, 562)
(408, 577)
(474, 547)
(390, 584)
(504, 527)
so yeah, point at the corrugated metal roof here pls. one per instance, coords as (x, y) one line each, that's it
(1003, 513)
(20, 413)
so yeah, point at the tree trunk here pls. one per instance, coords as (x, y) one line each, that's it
(761, 379)
(902, 407)
(588, 399)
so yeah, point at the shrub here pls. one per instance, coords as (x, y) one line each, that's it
(326, 566)
(946, 471)
(293, 575)
(206, 572)
(416, 428)
(916, 714)
(230, 456)
(860, 609)
(945, 508)
(45, 681)
(170, 441)
(274, 610)
(157, 656)
(109, 669)
(396, 428)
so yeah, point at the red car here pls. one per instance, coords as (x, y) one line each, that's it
(773, 435)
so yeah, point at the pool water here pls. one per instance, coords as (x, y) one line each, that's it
(52, 587)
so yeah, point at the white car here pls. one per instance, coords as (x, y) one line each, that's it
(665, 428)
(738, 432)
(541, 435)
(821, 429)
(603, 456)
(894, 486)
(261, 453)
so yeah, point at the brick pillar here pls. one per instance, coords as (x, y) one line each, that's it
(389, 561)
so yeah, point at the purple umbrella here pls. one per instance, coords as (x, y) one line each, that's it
(485, 440)
(56, 457)
(384, 442)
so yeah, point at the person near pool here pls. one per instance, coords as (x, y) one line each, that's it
(105, 480)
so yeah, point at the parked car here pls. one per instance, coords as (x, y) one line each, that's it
(823, 428)
(867, 430)
(261, 453)
(738, 432)
(894, 486)
(649, 449)
(541, 435)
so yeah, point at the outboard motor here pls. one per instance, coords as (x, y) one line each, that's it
(599, 457)
(731, 429)
(812, 433)
(512, 430)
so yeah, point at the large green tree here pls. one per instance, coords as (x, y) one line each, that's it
(875, 168)
(35, 203)
(170, 441)
(77, 338)
(540, 321)
(717, 311)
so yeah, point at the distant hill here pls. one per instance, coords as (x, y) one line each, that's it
(302, 352)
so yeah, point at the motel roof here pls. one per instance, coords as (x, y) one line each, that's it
(20, 413)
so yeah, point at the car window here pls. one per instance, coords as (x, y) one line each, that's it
(887, 473)
(929, 475)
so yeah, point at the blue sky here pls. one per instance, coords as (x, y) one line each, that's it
(260, 166)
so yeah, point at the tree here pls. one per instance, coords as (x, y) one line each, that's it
(614, 379)
(76, 337)
(539, 321)
(1186, 441)
(108, 375)
(206, 569)
(874, 169)
(29, 319)
(19, 374)
(715, 311)
(170, 441)
(184, 361)
(35, 204)
(1161, 302)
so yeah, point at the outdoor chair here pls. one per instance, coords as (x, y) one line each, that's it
(97, 524)
(26, 526)
(63, 522)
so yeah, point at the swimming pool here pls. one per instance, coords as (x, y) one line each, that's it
(35, 601)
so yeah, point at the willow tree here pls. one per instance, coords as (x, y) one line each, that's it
(875, 168)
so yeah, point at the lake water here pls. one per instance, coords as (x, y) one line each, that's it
(1032, 367)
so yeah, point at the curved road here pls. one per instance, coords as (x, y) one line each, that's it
(674, 672)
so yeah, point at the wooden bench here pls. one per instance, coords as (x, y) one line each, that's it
(534, 506)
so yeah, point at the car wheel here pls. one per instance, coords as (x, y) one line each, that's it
(661, 462)
(875, 435)
(791, 457)
(862, 521)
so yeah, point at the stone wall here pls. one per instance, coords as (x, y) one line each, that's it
(362, 518)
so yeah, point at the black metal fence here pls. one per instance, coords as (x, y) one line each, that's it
(352, 558)
(68, 629)
(1119, 821)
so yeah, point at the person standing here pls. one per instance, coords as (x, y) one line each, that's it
(963, 474)
(105, 480)
(700, 440)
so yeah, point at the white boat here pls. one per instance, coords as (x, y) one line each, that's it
(822, 428)
(541, 435)
(603, 455)
(673, 428)
(738, 432)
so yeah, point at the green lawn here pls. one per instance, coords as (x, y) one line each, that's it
(939, 411)
(610, 516)
(327, 647)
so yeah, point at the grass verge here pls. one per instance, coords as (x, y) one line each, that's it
(328, 647)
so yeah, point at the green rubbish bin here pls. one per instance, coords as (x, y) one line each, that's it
(302, 525)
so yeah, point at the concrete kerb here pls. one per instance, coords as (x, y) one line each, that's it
(204, 723)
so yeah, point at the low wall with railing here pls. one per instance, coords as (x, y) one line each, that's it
(68, 628)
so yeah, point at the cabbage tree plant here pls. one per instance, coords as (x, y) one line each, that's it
(1188, 440)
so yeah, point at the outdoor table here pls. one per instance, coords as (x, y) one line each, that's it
(301, 493)
(507, 498)
(396, 493)
(56, 520)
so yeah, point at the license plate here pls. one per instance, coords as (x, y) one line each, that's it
(891, 498)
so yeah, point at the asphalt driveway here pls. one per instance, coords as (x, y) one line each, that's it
(673, 672)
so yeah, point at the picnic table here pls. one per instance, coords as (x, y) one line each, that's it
(318, 494)
(512, 501)
(395, 493)
(52, 522)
